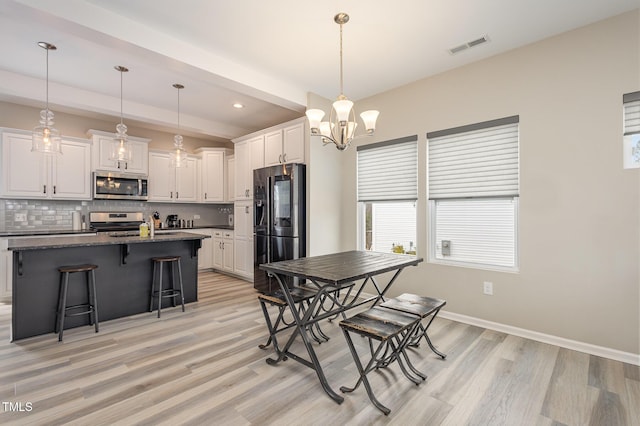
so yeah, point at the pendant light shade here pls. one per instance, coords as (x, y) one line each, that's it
(121, 147)
(178, 155)
(46, 138)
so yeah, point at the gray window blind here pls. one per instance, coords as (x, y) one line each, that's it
(388, 170)
(631, 102)
(480, 160)
(479, 231)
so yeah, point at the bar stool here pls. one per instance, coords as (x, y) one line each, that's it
(423, 307)
(172, 292)
(393, 330)
(90, 308)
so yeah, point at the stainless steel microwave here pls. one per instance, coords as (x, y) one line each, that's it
(119, 186)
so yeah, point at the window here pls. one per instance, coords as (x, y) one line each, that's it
(631, 139)
(387, 194)
(473, 184)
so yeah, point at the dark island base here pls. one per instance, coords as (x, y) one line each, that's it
(122, 289)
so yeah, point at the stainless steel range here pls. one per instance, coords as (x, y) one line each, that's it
(116, 223)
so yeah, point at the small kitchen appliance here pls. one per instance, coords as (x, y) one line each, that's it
(173, 221)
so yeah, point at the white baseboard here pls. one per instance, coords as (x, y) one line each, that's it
(614, 354)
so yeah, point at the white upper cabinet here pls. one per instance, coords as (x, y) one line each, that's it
(27, 174)
(249, 155)
(212, 174)
(102, 142)
(293, 143)
(171, 184)
(273, 148)
(285, 145)
(71, 171)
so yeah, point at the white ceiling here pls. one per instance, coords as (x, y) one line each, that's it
(264, 54)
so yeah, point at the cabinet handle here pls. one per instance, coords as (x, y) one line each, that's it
(177, 195)
(44, 190)
(126, 166)
(118, 164)
(205, 195)
(54, 189)
(246, 209)
(171, 194)
(284, 157)
(280, 158)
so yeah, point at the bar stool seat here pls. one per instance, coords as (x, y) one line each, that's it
(157, 290)
(421, 306)
(393, 330)
(90, 308)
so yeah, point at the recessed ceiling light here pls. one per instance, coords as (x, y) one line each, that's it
(238, 105)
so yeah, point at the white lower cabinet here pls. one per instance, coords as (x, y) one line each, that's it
(223, 255)
(243, 239)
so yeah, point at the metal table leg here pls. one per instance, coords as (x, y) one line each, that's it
(301, 329)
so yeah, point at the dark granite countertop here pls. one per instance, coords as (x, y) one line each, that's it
(33, 232)
(197, 227)
(96, 240)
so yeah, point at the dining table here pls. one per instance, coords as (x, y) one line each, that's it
(341, 282)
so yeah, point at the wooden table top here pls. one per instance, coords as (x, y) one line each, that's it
(340, 268)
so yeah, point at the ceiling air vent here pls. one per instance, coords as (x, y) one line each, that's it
(468, 45)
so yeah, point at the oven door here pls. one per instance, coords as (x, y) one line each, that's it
(117, 186)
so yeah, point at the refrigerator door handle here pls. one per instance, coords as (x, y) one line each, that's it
(269, 207)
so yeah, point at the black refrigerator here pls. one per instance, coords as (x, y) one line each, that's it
(279, 220)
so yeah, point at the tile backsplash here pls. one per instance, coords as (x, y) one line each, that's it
(17, 215)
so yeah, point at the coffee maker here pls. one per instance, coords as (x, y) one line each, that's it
(172, 221)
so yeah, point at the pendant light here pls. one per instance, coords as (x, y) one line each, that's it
(121, 147)
(341, 127)
(178, 155)
(46, 138)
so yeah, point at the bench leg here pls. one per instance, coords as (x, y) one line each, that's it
(421, 332)
(371, 365)
(272, 327)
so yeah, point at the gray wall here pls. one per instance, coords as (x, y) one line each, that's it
(579, 222)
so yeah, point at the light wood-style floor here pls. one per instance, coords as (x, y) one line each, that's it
(204, 367)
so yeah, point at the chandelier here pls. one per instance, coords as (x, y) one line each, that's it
(341, 127)
(178, 155)
(121, 147)
(46, 138)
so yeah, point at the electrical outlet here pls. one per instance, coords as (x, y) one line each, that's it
(196, 216)
(20, 217)
(488, 288)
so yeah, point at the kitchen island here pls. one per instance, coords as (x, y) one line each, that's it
(123, 277)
